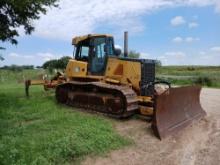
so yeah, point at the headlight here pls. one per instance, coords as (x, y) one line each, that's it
(77, 69)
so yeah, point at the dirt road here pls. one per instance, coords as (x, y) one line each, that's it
(198, 144)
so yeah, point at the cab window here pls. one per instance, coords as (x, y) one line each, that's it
(84, 52)
(98, 59)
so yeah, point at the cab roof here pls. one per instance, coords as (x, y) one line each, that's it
(78, 39)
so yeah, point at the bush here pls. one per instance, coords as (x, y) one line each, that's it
(56, 64)
(191, 68)
(204, 81)
(133, 54)
(17, 68)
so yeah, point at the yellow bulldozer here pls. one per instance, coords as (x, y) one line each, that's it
(99, 78)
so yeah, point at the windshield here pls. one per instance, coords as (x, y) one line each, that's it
(95, 51)
(99, 46)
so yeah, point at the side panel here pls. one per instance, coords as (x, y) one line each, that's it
(76, 68)
(126, 72)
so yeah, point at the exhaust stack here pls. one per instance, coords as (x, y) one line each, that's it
(125, 44)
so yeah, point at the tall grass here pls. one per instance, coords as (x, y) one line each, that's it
(8, 76)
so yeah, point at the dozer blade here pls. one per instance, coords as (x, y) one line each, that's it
(175, 109)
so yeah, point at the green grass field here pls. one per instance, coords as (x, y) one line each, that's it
(208, 76)
(39, 131)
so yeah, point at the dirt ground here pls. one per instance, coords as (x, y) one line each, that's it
(197, 144)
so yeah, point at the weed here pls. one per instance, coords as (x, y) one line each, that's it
(204, 81)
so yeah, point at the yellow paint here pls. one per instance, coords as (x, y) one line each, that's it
(76, 68)
(146, 110)
(131, 71)
(37, 82)
(77, 39)
(112, 81)
(144, 99)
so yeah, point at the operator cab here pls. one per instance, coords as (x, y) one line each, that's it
(95, 49)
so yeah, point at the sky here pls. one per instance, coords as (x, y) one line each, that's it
(176, 32)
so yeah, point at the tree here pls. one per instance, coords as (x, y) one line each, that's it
(62, 62)
(17, 13)
(50, 64)
(56, 64)
(133, 54)
(158, 63)
(38, 67)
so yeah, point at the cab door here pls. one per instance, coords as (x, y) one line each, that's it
(102, 47)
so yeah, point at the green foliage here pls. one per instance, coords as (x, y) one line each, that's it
(50, 65)
(17, 68)
(56, 64)
(191, 68)
(133, 54)
(39, 67)
(204, 81)
(9, 77)
(39, 131)
(15, 13)
(158, 63)
(189, 75)
(62, 62)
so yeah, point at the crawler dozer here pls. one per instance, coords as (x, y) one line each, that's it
(101, 79)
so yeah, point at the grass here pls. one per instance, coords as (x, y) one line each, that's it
(208, 76)
(39, 131)
(8, 76)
